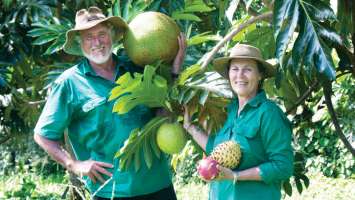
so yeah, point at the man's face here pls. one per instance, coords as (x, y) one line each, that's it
(96, 43)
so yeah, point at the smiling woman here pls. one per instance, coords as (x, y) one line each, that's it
(257, 124)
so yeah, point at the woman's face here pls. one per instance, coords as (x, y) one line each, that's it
(244, 77)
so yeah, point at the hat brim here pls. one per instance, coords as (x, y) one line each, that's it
(221, 64)
(72, 43)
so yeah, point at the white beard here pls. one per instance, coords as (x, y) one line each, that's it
(99, 59)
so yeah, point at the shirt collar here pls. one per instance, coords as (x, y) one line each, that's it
(255, 101)
(258, 99)
(88, 70)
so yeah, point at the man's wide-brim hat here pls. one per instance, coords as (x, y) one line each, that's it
(86, 19)
(243, 51)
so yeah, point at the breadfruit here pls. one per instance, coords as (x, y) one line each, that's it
(151, 36)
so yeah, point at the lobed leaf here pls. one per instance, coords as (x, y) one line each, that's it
(148, 89)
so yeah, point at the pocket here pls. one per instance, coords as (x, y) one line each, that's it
(95, 117)
(251, 145)
(248, 131)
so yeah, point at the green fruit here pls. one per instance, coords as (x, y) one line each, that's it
(171, 138)
(152, 36)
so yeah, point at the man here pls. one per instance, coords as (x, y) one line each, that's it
(78, 103)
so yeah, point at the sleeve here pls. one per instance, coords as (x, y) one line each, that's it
(276, 136)
(56, 113)
(210, 144)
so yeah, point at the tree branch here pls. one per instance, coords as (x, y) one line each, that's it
(328, 101)
(250, 11)
(230, 35)
(5, 139)
(303, 97)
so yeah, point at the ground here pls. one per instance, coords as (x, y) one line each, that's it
(52, 187)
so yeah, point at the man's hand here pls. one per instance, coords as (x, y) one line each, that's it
(92, 169)
(179, 58)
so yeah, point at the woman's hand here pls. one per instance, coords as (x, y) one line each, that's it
(225, 173)
(197, 134)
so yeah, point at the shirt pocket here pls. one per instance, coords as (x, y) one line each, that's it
(96, 120)
(93, 103)
(98, 111)
(251, 144)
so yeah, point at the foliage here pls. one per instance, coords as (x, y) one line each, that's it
(309, 49)
(184, 164)
(47, 32)
(146, 89)
(299, 176)
(24, 156)
(141, 141)
(32, 186)
(316, 137)
(311, 40)
(26, 190)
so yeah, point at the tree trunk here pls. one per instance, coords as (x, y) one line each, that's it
(77, 189)
(327, 89)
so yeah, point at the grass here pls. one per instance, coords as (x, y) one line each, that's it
(52, 187)
(324, 188)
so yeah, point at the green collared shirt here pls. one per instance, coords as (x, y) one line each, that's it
(264, 134)
(78, 102)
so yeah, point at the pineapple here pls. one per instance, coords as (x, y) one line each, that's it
(227, 154)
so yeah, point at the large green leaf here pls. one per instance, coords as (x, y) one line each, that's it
(212, 82)
(203, 37)
(188, 72)
(130, 8)
(232, 9)
(148, 89)
(187, 13)
(50, 33)
(285, 24)
(262, 38)
(141, 141)
(197, 6)
(309, 49)
(344, 24)
(178, 15)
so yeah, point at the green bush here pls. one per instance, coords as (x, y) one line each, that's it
(184, 165)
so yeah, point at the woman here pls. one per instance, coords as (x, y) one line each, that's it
(257, 124)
